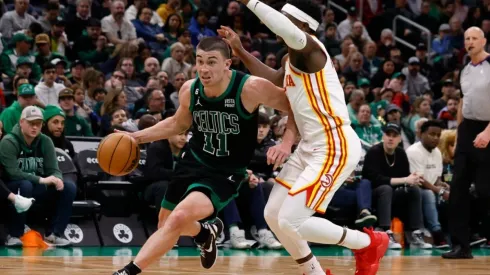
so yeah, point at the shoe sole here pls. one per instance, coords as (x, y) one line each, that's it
(367, 221)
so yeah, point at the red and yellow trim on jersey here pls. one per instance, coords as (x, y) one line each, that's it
(283, 183)
(313, 187)
(324, 95)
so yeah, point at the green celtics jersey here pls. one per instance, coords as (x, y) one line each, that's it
(224, 133)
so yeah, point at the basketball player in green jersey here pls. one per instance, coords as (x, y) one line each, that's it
(221, 105)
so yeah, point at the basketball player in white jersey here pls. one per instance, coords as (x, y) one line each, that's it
(329, 150)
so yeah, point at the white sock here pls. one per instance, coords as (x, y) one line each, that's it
(320, 230)
(312, 267)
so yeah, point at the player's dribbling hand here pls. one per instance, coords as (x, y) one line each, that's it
(278, 154)
(231, 38)
(482, 139)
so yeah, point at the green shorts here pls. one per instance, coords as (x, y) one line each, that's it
(191, 175)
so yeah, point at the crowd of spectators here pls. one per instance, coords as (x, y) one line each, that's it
(93, 66)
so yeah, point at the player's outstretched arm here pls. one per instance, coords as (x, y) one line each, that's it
(255, 66)
(258, 91)
(174, 125)
(279, 24)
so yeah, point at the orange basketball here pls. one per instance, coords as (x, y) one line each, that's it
(118, 154)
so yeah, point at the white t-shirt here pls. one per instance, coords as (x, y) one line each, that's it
(423, 162)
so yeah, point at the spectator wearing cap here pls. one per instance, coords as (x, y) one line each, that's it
(199, 26)
(8, 59)
(448, 90)
(52, 13)
(395, 189)
(74, 125)
(43, 50)
(118, 29)
(26, 96)
(393, 114)
(60, 65)
(175, 63)
(345, 27)
(47, 91)
(27, 69)
(365, 85)
(59, 41)
(16, 20)
(77, 70)
(442, 43)
(425, 68)
(416, 84)
(367, 132)
(78, 20)
(31, 169)
(91, 46)
(54, 128)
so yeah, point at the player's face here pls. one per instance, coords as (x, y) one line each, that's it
(211, 67)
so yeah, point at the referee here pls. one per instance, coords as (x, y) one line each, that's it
(472, 157)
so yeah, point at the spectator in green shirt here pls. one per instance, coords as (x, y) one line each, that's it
(74, 124)
(8, 59)
(368, 132)
(26, 96)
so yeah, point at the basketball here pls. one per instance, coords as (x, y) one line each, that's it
(118, 154)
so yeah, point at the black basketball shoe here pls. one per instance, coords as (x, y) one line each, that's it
(209, 250)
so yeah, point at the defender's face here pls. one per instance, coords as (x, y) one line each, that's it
(211, 66)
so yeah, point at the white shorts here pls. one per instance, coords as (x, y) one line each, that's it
(321, 171)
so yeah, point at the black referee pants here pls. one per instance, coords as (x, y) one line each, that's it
(471, 165)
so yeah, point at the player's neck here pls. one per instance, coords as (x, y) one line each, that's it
(220, 87)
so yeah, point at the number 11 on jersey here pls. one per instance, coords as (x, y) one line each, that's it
(209, 140)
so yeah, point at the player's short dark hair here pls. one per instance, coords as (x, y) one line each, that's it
(308, 7)
(430, 123)
(214, 43)
(263, 119)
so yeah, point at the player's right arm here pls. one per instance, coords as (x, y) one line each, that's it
(255, 66)
(174, 125)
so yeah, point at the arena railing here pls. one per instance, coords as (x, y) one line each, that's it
(415, 25)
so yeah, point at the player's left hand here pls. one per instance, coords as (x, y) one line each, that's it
(481, 141)
(278, 154)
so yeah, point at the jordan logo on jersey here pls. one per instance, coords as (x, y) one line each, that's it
(198, 102)
(289, 81)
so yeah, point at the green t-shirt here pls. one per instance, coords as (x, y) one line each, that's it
(77, 126)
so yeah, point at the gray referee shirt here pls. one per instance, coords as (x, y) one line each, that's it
(475, 87)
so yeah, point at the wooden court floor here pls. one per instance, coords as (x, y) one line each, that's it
(186, 261)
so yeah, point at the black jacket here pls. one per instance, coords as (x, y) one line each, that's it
(259, 161)
(159, 161)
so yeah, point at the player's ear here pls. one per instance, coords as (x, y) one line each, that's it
(228, 63)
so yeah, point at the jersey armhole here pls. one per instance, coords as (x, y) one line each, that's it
(239, 105)
(191, 103)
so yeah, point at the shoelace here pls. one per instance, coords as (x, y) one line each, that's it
(201, 249)
(418, 238)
